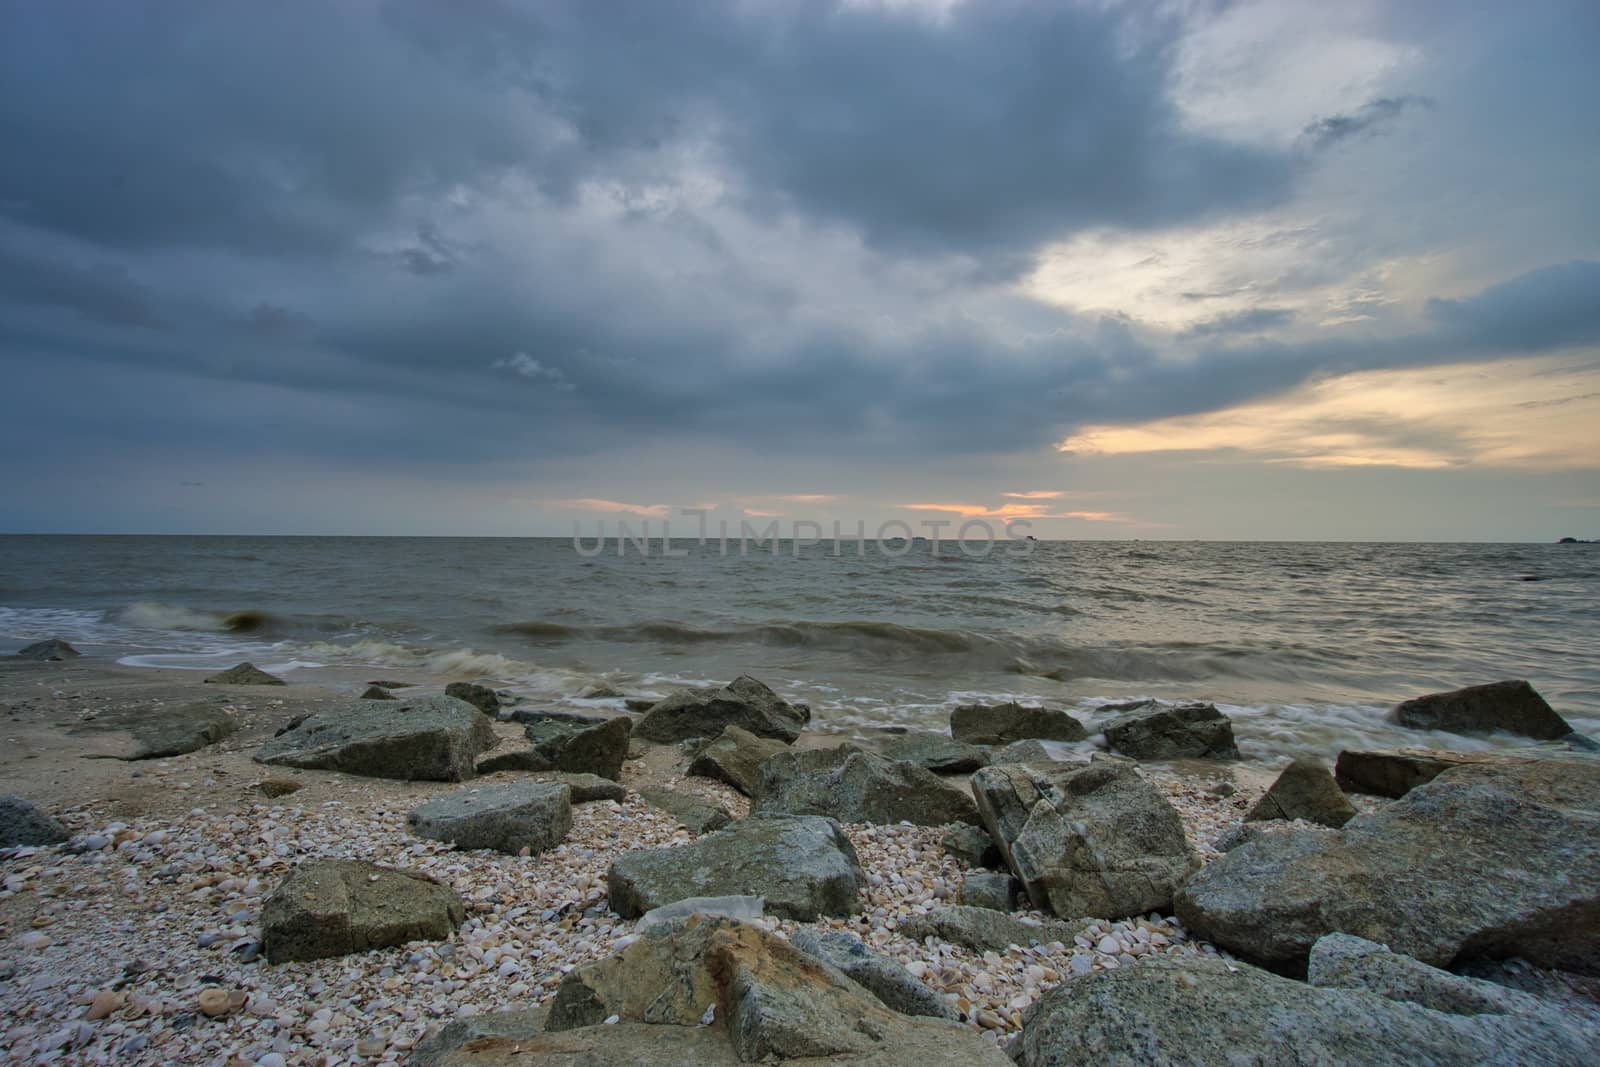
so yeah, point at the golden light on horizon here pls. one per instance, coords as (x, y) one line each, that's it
(1538, 413)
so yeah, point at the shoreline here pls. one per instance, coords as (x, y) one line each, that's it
(191, 846)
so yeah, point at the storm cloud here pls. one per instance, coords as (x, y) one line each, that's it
(411, 234)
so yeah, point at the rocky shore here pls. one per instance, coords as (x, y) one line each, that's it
(236, 871)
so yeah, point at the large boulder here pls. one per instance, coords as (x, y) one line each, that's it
(1394, 772)
(333, 907)
(22, 823)
(984, 929)
(507, 818)
(743, 702)
(433, 738)
(519, 1041)
(1194, 1010)
(803, 865)
(160, 731)
(245, 674)
(853, 785)
(51, 649)
(1304, 790)
(735, 757)
(885, 979)
(1513, 706)
(1001, 724)
(1484, 861)
(1090, 839)
(937, 752)
(1187, 731)
(776, 1002)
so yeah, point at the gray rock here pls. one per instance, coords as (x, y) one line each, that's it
(1340, 961)
(333, 907)
(245, 674)
(1304, 790)
(599, 749)
(803, 865)
(744, 702)
(696, 814)
(983, 929)
(775, 1002)
(445, 1046)
(735, 757)
(641, 704)
(853, 785)
(885, 979)
(523, 1044)
(426, 738)
(586, 788)
(377, 692)
(1188, 731)
(1484, 861)
(1513, 706)
(543, 716)
(507, 818)
(526, 759)
(1581, 742)
(479, 696)
(22, 823)
(936, 752)
(1395, 772)
(1029, 751)
(1183, 1011)
(167, 732)
(973, 846)
(52, 649)
(1001, 724)
(1090, 839)
(738, 907)
(995, 891)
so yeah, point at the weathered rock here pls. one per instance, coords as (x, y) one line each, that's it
(423, 738)
(333, 907)
(22, 823)
(507, 818)
(601, 691)
(744, 702)
(1001, 724)
(1090, 839)
(518, 1041)
(885, 979)
(1304, 790)
(586, 788)
(449, 1044)
(776, 1002)
(1484, 861)
(936, 752)
(1201, 1011)
(377, 692)
(1513, 706)
(390, 683)
(697, 815)
(245, 674)
(51, 649)
(273, 788)
(582, 749)
(973, 846)
(983, 929)
(1340, 961)
(479, 696)
(1029, 751)
(853, 785)
(803, 865)
(992, 890)
(1188, 731)
(526, 759)
(1395, 772)
(543, 717)
(641, 704)
(738, 907)
(167, 732)
(735, 757)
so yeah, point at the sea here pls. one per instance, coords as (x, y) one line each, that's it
(1306, 645)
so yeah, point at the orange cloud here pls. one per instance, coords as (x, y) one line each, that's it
(1036, 494)
(755, 514)
(589, 503)
(1018, 511)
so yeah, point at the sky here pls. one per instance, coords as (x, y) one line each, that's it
(1254, 270)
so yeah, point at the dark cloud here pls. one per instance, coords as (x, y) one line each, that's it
(100, 292)
(1372, 117)
(1548, 308)
(1251, 320)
